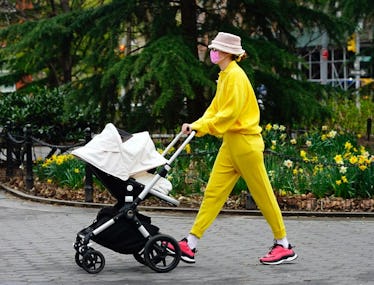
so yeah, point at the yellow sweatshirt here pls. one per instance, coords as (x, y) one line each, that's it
(234, 107)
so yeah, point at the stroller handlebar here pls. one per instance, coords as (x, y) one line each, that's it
(181, 147)
(176, 139)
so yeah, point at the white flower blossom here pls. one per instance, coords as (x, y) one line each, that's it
(343, 169)
(332, 134)
(288, 163)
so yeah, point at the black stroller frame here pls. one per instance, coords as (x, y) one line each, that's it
(148, 246)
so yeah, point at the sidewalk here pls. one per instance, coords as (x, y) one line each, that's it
(36, 248)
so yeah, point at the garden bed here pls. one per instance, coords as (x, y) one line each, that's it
(235, 202)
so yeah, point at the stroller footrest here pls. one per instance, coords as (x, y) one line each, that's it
(164, 197)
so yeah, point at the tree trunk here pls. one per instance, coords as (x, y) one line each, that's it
(195, 106)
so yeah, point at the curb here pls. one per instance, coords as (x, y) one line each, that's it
(33, 198)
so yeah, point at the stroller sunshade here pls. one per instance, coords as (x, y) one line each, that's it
(122, 159)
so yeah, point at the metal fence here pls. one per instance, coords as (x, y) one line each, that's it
(20, 150)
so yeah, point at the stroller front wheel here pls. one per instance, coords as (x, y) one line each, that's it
(158, 257)
(92, 261)
(78, 259)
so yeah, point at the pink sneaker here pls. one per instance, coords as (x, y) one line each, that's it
(278, 254)
(187, 254)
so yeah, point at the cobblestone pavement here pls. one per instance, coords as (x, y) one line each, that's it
(36, 248)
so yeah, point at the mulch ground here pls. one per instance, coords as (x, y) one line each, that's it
(235, 202)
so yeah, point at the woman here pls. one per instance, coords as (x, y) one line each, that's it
(234, 115)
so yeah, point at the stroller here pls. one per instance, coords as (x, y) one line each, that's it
(123, 163)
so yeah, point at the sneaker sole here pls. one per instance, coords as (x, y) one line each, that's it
(284, 260)
(185, 259)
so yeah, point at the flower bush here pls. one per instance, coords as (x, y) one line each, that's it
(63, 170)
(323, 162)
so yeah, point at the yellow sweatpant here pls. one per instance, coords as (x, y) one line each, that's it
(239, 155)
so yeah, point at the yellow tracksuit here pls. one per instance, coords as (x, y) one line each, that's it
(234, 115)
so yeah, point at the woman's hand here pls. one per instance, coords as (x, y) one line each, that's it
(186, 128)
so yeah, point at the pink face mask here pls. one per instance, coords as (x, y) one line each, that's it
(214, 56)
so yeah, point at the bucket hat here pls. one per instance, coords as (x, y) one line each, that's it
(227, 43)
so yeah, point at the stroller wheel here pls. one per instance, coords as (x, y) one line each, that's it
(78, 259)
(158, 257)
(92, 261)
(139, 256)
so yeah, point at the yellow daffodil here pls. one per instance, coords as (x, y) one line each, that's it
(362, 159)
(338, 159)
(188, 148)
(363, 167)
(59, 160)
(348, 145)
(314, 159)
(353, 159)
(303, 153)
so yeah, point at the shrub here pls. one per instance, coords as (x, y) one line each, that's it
(48, 112)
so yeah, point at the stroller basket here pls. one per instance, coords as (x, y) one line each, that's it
(122, 161)
(121, 237)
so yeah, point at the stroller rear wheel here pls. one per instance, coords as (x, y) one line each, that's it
(92, 261)
(158, 257)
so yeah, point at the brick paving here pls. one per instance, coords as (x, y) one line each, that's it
(36, 247)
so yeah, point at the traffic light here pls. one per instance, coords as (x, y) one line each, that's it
(351, 44)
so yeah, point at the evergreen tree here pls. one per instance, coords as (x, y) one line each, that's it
(137, 61)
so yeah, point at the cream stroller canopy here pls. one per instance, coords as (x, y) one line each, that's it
(107, 152)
